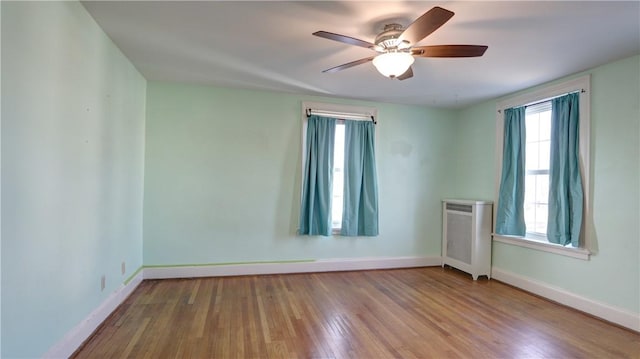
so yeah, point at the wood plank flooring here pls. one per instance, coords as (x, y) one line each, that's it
(402, 313)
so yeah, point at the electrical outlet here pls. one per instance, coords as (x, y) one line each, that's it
(103, 282)
(123, 268)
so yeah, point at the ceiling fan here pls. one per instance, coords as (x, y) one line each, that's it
(397, 46)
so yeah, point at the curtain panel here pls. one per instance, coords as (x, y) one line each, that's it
(360, 207)
(510, 213)
(565, 188)
(315, 211)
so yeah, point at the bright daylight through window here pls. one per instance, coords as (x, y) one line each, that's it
(536, 192)
(338, 178)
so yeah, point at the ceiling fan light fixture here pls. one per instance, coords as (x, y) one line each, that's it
(393, 64)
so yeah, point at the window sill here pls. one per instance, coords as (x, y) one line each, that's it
(579, 253)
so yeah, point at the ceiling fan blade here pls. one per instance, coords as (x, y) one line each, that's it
(406, 75)
(429, 22)
(349, 64)
(345, 39)
(449, 51)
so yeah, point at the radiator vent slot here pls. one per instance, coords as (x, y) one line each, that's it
(459, 207)
(459, 241)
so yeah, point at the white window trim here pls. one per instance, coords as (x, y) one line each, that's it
(548, 92)
(335, 108)
(580, 253)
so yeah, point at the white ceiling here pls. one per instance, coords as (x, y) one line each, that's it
(268, 45)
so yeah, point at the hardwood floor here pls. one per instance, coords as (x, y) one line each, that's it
(402, 313)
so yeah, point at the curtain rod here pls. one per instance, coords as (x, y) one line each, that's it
(351, 115)
(548, 99)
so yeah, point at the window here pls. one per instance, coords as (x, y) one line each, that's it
(337, 192)
(537, 155)
(339, 185)
(537, 145)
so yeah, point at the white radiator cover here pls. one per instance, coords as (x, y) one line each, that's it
(466, 236)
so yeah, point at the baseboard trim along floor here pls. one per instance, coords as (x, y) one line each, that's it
(607, 312)
(81, 332)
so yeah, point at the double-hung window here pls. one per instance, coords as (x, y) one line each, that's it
(537, 155)
(534, 155)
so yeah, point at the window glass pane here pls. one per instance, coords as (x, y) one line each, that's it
(535, 206)
(336, 201)
(545, 125)
(532, 153)
(544, 155)
(338, 151)
(338, 177)
(542, 189)
(540, 224)
(529, 215)
(531, 124)
(529, 189)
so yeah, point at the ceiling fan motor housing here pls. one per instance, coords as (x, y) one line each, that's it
(388, 40)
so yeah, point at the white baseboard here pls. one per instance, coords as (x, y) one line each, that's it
(607, 312)
(325, 265)
(81, 332)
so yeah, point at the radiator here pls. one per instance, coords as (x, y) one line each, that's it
(466, 236)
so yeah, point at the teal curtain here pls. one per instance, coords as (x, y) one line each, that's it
(360, 208)
(565, 189)
(510, 214)
(315, 211)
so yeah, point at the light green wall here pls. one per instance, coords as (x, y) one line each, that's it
(223, 168)
(72, 171)
(612, 276)
(472, 173)
(222, 181)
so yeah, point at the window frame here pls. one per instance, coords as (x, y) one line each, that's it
(331, 107)
(583, 85)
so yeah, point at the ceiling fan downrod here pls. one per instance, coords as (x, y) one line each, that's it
(389, 38)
